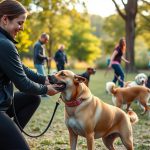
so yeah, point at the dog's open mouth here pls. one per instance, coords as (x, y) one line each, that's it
(60, 86)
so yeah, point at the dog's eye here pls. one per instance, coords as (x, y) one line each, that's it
(62, 74)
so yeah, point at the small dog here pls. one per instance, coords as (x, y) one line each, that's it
(127, 95)
(140, 79)
(88, 116)
(89, 71)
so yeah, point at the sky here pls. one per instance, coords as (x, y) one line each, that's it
(103, 8)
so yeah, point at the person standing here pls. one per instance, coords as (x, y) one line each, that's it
(39, 53)
(115, 62)
(60, 58)
(12, 71)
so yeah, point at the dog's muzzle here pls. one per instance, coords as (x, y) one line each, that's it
(60, 86)
(94, 71)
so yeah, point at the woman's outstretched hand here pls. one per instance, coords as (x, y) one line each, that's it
(51, 90)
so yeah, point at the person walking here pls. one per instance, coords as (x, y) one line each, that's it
(115, 62)
(60, 58)
(39, 53)
(30, 84)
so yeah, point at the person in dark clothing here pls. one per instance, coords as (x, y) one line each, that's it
(39, 53)
(12, 71)
(115, 62)
(60, 58)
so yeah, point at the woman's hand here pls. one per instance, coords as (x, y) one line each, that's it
(109, 66)
(46, 81)
(51, 90)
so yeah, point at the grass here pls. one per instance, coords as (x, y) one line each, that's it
(57, 137)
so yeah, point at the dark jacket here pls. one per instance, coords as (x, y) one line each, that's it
(60, 57)
(39, 56)
(13, 71)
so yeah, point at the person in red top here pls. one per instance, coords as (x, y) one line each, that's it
(115, 62)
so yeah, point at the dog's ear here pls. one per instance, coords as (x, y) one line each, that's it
(79, 79)
(137, 79)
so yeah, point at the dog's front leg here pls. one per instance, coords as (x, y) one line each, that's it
(90, 141)
(128, 106)
(73, 139)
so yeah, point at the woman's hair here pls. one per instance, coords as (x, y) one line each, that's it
(122, 44)
(12, 9)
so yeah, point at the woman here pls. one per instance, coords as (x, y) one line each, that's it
(12, 71)
(115, 62)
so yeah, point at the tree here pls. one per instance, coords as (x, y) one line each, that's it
(53, 18)
(23, 39)
(84, 46)
(97, 23)
(143, 22)
(129, 15)
(113, 32)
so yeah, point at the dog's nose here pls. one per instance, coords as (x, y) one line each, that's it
(52, 79)
(142, 81)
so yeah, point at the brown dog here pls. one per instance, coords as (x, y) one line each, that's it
(88, 116)
(89, 71)
(128, 95)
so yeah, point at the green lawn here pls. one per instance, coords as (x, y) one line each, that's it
(57, 138)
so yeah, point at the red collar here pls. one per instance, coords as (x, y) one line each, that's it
(73, 103)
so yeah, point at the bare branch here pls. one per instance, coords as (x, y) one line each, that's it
(119, 11)
(123, 3)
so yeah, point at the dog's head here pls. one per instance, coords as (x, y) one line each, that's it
(91, 70)
(65, 79)
(141, 79)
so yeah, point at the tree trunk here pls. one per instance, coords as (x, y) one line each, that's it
(129, 17)
(131, 11)
(130, 38)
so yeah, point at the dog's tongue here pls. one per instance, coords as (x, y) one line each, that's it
(57, 85)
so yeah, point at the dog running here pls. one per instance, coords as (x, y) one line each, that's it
(128, 95)
(86, 115)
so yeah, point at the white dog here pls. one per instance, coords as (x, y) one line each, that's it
(140, 79)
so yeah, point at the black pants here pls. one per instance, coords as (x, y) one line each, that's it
(11, 137)
(60, 67)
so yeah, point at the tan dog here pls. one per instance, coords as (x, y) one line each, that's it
(128, 95)
(88, 116)
(141, 80)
